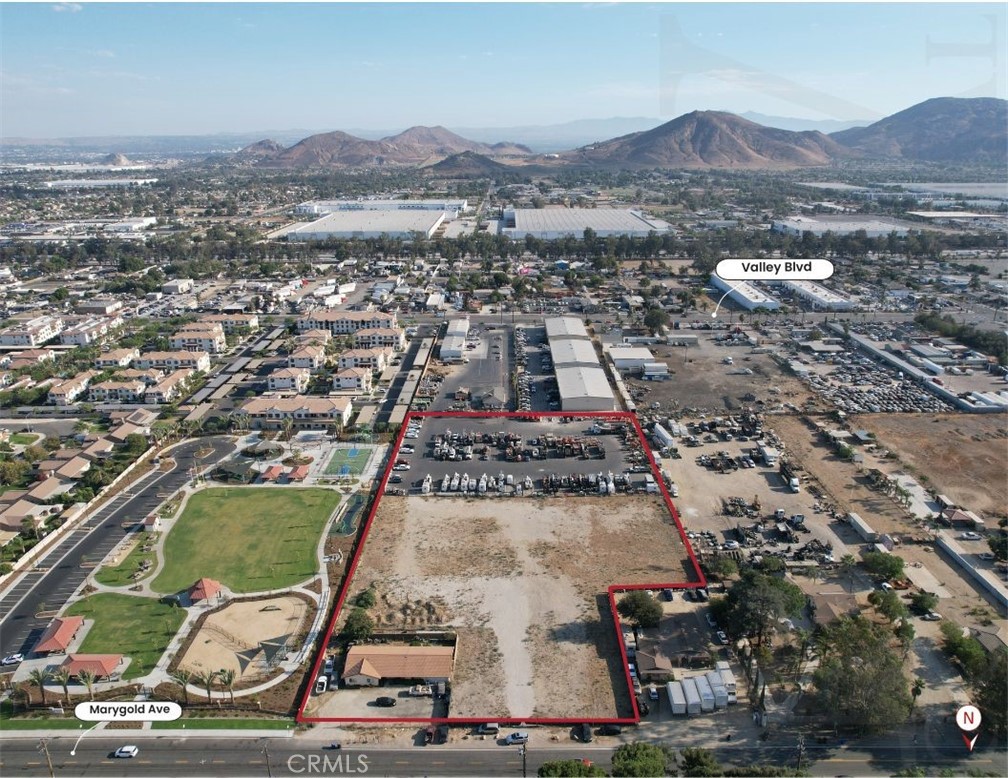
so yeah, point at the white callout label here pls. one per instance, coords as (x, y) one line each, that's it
(774, 269)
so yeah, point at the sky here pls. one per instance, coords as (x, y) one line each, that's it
(79, 69)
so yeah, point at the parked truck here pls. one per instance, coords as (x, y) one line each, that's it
(693, 705)
(718, 687)
(789, 472)
(676, 698)
(768, 455)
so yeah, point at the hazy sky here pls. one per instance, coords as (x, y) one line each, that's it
(71, 69)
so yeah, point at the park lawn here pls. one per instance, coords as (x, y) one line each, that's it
(122, 574)
(139, 627)
(223, 723)
(354, 465)
(23, 438)
(251, 539)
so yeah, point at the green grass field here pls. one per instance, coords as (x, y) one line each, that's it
(223, 723)
(250, 539)
(354, 464)
(23, 438)
(122, 574)
(139, 627)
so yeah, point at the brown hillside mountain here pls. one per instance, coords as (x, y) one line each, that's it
(468, 164)
(944, 129)
(713, 139)
(332, 149)
(260, 150)
(118, 160)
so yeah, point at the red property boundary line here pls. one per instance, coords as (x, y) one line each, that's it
(612, 590)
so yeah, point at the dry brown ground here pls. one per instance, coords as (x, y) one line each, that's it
(964, 456)
(248, 623)
(524, 582)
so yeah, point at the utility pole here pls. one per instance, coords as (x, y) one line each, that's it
(44, 748)
(801, 751)
(523, 749)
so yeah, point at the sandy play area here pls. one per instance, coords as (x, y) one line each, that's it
(524, 582)
(231, 637)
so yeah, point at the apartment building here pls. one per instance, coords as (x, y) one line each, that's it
(173, 360)
(307, 357)
(84, 333)
(315, 337)
(340, 322)
(304, 412)
(232, 322)
(356, 378)
(200, 337)
(32, 332)
(289, 379)
(67, 392)
(118, 357)
(117, 392)
(380, 337)
(370, 358)
(169, 388)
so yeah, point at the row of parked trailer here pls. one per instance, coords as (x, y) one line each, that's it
(714, 690)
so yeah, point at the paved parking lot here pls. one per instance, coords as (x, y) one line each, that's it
(360, 703)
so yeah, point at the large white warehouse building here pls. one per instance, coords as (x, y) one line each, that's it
(818, 296)
(321, 207)
(581, 381)
(745, 294)
(565, 327)
(552, 223)
(453, 345)
(369, 224)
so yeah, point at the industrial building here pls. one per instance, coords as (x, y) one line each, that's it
(344, 225)
(746, 295)
(581, 381)
(819, 226)
(452, 208)
(552, 223)
(453, 345)
(630, 357)
(819, 297)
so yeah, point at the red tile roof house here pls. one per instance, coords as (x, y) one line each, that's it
(58, 635)
(102, 665)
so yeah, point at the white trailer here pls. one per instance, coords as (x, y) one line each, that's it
(866, 533)
(728, 679)
(706, 693)
(662, 437)
(769, 455)
(718, 687)
(676, 698)
(693, 703)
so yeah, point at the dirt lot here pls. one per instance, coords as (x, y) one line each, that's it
(963, 456)
(524, 582)
(705, 383)
(234, 632)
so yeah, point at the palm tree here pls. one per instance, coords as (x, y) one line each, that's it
(227, 679)
(63, 676)
(916, 690)
(87, 677)
(39, 678)
(206, 680)
(183, 678)
(847, 563)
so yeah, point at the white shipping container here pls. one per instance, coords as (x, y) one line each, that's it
(706, 693)
(693, 703)
(718, 687)
(676, 697)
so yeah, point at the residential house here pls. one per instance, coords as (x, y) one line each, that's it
(169, 388)
(356, 378)
(307, 357)
(371, 664)
(292, 379)
(67, 392)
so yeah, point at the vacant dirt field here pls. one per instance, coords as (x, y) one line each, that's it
(229, 638)
(524, 581)
(700, 380)
(964, 456)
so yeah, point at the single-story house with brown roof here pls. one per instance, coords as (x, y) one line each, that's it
(369, 665)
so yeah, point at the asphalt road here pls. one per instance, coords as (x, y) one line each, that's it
(199, 756)
(59, 574)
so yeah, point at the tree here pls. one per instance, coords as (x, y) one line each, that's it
(39, 678)
(655, 318)
(227, 679)
(699, 761)
(569, 767)
(998, 543)
(757, 601)
(367, 598)
(638, 759)
(888, 603)
(641, 608)
(721, 567)
(966, 650)
(922, 602)
(87, 677)
(905, 633)
(916, 690)
(183, 678)
(206, 680)
(62, 675)
(59, 294)
(883, 565)
(359, 625)
(991, 693)
(860, 677)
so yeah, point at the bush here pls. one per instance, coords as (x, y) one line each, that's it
(641, 608)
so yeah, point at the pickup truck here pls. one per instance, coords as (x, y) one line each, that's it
(420, 691)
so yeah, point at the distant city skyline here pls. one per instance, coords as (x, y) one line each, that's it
(77, 69)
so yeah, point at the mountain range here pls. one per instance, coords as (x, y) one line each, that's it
(942, 130)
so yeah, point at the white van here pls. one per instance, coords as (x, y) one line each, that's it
(321, 684)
